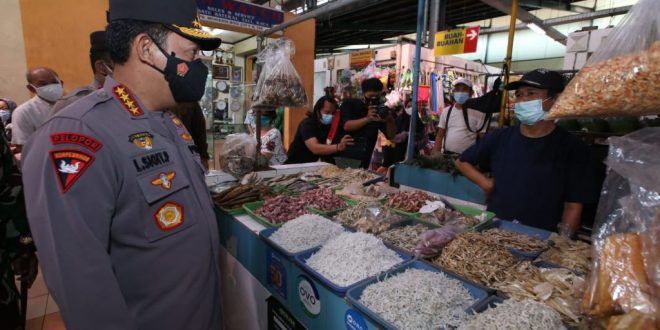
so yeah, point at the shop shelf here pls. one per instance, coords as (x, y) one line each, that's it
(301, 261)
(480, 295)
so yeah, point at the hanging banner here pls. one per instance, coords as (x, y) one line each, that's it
(456, 41)
(240, 14)
(361, 58)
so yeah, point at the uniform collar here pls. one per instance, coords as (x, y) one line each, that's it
(129, 103)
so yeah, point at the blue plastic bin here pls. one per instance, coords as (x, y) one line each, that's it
(301, 261)
(521, 229)
(481, 295)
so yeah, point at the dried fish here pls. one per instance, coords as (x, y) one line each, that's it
(575, 255)
(476, 258)
(513, 240)
(419, 299)
(405, 237)
(281, 209)
(518, 315)
(352, 214)
(352, 257)
(305, 232)
(323, 199)
(408, 201)
(236, 196)
(444, 216)
(347, 176)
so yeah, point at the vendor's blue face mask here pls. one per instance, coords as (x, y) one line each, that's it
(461, 97)
(530, 112)
(326, 119)
(265, 121)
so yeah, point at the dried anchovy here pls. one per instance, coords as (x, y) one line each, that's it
(352, 257)
(575, 255)
(305, 232)
(408, 201)
(558, 288)
(406, 237)
(513, 240)
(419, 299)
(516, 315)
(352, 214)
(475, 257)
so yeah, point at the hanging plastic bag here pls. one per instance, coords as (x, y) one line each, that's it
(279, 84)
(237, 154)
(370, 71)
(626, 273)
(622, 77)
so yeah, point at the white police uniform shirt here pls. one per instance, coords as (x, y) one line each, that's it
(122, 218)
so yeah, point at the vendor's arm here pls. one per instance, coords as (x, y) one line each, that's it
(570, 220)
(479, 153)
(320, 149)
(471, 172)
(71, 192)
(439, 139)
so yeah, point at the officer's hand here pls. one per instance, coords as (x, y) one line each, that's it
(346, 141)
(372, 115)
(26, 268)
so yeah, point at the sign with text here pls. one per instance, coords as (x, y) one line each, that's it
(362, 58)
(240, 14)
(456, 41)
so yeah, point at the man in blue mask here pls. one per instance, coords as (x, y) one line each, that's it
(541, 175)
(457, 132)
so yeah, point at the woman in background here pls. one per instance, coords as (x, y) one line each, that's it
(271, 140)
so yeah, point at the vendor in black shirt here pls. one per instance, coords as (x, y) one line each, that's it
(309, 144)
(362, 122)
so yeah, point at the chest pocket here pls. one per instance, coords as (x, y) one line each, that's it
(169, 208)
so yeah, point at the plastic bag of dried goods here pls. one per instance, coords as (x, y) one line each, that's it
(431, 242)
(622, 77)
(237, 154)
(626, 275)
(279, 84)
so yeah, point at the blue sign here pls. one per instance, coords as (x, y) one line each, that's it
(276, 273)
(354, 320)
(238, 13)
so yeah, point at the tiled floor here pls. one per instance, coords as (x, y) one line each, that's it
(42, 311)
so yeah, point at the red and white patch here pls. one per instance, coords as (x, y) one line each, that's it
(74, 138)
(169, 216)
(182, 69)
(69, 166)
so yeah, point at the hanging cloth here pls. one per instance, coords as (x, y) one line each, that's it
(434, 92)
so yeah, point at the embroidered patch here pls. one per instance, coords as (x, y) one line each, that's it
(153, 160)
(127, 100)
(186, 136)
(182, 69)
(74, 138)
(164, 180)
(142, 140)
(169, 216)
(69, 166)
(177, 121)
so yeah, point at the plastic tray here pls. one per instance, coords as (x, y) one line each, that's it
(521, 229)
(481, 295)
(267, 233)
(250, 209)
(469, 211)
(301, 261)
(236, 211)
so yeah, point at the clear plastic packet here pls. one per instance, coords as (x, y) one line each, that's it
(377, 219)
(622, 76)
(626, 272)
(279, 84)
(237, 155)
(431, 242)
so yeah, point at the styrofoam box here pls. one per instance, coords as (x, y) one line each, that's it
(569, 61)
(577, 42)
(597, 38)
(580, 60)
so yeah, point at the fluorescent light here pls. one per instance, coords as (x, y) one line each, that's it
(536, 28)
(217, 31)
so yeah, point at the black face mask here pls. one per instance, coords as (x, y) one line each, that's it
(187, 80)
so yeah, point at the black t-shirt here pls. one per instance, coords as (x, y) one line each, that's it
(534, 177)
(298, 151)
(364, 138)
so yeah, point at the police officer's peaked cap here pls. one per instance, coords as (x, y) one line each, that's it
(179, 16)
(97, 42)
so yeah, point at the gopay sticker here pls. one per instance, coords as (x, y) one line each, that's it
(309, 296)
(354, 320)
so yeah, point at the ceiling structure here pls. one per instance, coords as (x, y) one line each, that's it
(371, 21)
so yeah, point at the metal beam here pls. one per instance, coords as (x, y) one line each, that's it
(433, 21)
(525, 16)
(567, 19)
(559, 5)
(331, 26)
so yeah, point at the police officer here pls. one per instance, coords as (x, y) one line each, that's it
(115, 190)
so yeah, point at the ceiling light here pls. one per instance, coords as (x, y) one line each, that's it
(536, 28)
(217, 31)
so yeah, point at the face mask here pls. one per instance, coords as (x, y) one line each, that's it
(326, 119)
(409, 111)
(187, 80)
(530, 112)
(265, 121)
(50, 93)
(5, 115)
(461, 97)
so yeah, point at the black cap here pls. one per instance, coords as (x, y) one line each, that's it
(539, 78)
(179, 16)
(97, 42)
